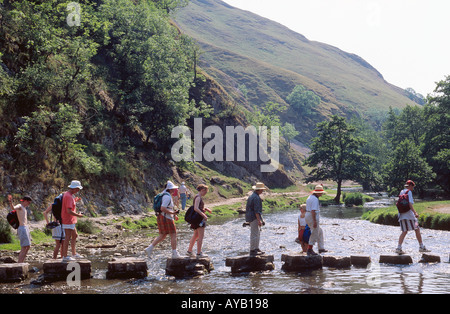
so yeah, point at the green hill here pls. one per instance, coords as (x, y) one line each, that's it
(242, 48)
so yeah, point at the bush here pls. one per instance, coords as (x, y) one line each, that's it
(353, 199)
(5, 231)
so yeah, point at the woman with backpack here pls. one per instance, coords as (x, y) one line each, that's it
(199, 228)
(166, 216)
(408, 220)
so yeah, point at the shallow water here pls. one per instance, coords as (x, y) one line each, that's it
(345, 235)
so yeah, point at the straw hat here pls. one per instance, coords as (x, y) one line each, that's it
(259, 186)
(75, 185)
(318, 190)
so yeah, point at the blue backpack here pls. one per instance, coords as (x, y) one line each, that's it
(157, 202)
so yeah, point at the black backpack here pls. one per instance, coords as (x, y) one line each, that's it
(13, 220)
(57, 207)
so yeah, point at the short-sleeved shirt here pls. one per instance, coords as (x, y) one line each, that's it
(167, 202)
(68, 202)
(409, 215)
(312, 203)
(253, 207)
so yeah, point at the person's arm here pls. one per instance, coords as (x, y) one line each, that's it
(46, 213)
(72, 213)
(313, 215)
(411, 204)
(10, 202)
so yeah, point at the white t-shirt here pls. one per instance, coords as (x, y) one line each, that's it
(312, 203)
(167, 202)
(302, 221)
(409, 215)
(182, 189)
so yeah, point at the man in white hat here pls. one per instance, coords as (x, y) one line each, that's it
(69, 217)
(253, 215)
(166, 223)
(313, 220)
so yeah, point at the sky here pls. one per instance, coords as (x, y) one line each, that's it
(407, 41)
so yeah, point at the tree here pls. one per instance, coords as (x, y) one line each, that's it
(302, 100)
(289, 133)
(336, 154)
(436, 142)
(406, 163)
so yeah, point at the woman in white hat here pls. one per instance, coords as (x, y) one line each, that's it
(166, 221)
(313, 220)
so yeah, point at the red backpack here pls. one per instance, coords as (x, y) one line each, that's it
(403, 203)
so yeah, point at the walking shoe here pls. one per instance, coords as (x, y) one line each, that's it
(149, 251)
(190, 254)
(256, 252)
(399, 251)
(323, 251)
(201, 255)
(68, 259)
(310, 252)
(78, 256)
(423, 249)
(175, 254)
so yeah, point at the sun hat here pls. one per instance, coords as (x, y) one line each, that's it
(171, 186)
(75, 185)
(318, 190)
(259, 186)
(410, 182)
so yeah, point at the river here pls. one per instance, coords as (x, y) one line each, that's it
(345, 235)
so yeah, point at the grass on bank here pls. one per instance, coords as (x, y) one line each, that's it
(428, 218)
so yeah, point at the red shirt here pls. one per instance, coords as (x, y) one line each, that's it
(68, 202)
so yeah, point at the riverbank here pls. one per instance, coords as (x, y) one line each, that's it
(432, 215)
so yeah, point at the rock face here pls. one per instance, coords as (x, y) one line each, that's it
(127, 268)
(13, 272)
(396, 259)
(56, 270)
(246, 264)
(301, 262)
(187, 267)
(337, 261)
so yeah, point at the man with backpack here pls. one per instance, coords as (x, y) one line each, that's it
(166, 216)
(23, 231)
(407, 217)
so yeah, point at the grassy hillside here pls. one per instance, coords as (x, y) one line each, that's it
(241, 48)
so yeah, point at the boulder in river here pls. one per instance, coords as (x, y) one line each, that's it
(247, 264)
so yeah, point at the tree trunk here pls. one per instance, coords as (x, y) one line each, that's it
(338, 193)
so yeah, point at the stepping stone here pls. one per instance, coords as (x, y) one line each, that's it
(428, 258)
(127, 268)
(360, 260)
(301, 262)
(188, 267)
(13, 272)
(396, 259)
(57, 270)
(337, 261)
(247, 264)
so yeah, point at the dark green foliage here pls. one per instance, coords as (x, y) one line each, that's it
(83, 101)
